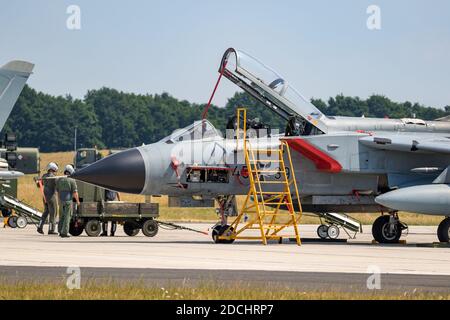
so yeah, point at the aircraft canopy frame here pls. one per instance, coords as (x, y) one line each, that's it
(268, 87)
(201, 129)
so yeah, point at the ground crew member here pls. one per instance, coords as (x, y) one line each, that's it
(67, 191)
(50, 202)
(110, 196)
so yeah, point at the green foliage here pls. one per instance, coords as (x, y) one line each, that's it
(254, 110)
(377, 106)
(113, 119)
(48, 122)
(128, 119)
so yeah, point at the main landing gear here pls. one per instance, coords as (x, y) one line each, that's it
(443, 231)
(388, 228)
(227, 208)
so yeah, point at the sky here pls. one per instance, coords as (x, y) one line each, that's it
(323, 48)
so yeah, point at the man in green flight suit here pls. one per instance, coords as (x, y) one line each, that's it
(50, 204)
(67, 191)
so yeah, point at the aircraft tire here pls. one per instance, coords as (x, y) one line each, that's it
(322, 231)
(150, 228)
(219, 230)
(379, 230)
(93, 228)
(444, 230)
(131, 228)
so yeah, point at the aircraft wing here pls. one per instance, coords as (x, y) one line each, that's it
(411, 143)
(13, 77)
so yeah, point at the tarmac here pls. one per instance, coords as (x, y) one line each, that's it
(178, 256)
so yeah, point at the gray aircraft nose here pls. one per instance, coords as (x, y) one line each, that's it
(123, 172)
(388, 200)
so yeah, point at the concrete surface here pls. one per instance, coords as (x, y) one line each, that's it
(301, 281)
(192, 251)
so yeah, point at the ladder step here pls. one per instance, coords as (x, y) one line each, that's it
(267, 171)
(268, 212)
(262, 211)
(276, 203)
(274, 227)
(284, 214)
(273, 192)
(272, 182)
(263, 150)
(266, 160)
(271, 213)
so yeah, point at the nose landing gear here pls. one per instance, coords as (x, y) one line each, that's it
(388, 228)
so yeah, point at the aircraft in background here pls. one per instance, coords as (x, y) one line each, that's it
(13, 77)
(342, 164)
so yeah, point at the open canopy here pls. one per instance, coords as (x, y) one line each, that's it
(269, 87)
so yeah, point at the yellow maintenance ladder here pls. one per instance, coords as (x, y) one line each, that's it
(268, 206)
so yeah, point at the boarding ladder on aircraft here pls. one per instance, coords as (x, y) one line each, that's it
(268, 206)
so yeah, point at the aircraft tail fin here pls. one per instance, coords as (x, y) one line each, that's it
(13, 77)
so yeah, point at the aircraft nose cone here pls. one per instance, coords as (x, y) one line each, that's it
(385, 199)
(401, 199)
(123, 172)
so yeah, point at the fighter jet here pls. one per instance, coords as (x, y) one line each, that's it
(342, 164)
(13, 77)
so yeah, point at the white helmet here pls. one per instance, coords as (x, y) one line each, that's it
(52, 166)
(69, 168)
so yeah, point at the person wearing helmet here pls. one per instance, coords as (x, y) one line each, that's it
(48, 182)
(67, 191)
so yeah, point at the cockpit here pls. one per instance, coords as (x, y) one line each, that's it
(273, 91)
(268, 87)
(202, 129)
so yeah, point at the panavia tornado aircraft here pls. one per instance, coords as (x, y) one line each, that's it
(13, 77)
(342, 164)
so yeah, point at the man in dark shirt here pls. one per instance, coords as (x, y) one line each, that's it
(110, 196)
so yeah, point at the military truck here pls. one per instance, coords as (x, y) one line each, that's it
(94, 209)
(27, 161)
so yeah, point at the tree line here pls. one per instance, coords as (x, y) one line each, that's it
(108, 118)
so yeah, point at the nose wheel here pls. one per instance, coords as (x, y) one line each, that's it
(388, 229)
